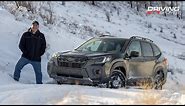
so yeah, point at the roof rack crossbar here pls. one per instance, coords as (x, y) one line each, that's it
(138, 37)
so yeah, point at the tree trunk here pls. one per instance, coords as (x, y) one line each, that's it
(108, 16)
(150, 3)
(181, 9)
(131, 5)
(171, 4)
(17, 4)
(163, 5)
(137, 5)
(63, 3)
(177, 12)
(93, 2)
(146, 5)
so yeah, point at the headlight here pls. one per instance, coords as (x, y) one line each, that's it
(55, 55)
(102, 59)
(51, 60)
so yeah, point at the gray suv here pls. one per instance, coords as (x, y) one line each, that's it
(111, 61)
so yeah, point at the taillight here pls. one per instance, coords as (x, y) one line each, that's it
(165, 61)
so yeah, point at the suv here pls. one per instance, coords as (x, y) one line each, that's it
(111, 61)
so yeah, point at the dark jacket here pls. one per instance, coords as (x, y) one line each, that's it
(32, 45)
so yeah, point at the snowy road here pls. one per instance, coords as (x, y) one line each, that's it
(12, 92)
(76, 94)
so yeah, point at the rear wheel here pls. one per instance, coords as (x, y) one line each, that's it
(117, 79)
(58, 82)
(158, 81)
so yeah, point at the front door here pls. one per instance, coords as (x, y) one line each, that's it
(135, 64)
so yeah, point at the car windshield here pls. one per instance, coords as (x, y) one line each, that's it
(102, 45)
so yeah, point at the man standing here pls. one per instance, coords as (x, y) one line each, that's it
(33, 45)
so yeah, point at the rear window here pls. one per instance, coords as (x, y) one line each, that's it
(146, 49)
(156, 50)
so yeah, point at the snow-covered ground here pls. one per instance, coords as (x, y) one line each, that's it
(75, 23)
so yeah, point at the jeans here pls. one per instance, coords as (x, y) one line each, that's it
(36, 66)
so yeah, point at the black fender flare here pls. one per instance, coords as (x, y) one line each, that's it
(159, 68)
(119, 64)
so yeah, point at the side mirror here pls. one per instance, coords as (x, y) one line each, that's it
(134, 54)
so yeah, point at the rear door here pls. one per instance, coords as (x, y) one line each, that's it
(149, 59)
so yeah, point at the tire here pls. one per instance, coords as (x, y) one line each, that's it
(59, 83)
(158, 81)
(117, 79)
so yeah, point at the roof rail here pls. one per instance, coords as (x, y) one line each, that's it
(142, 38)
(106, 35)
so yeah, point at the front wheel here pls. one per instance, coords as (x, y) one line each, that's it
(117, 79)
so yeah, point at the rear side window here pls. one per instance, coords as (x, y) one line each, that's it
(146, 49)
(156, 50)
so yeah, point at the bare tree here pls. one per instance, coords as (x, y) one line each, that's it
(174, 36)
(17, 3)
(163, 5)
(63, 3)
(181, 9)
(93, 3)
(150, 3)
(108, 16)
(47, 13)
(131, 4)
(118, 11)
(137, 5)
(50, 19)
(26, 4)
(146, 5)
(178, 13)
(171, 4)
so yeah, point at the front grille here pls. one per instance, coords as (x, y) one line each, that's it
(68, 64)
(77, 65)
(73, 63)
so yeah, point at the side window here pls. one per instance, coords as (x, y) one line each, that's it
(156, 50)
(135, 46)
(146, 49)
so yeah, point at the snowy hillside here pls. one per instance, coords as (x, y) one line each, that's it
(75, 23)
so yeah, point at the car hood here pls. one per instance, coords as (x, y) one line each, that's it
(83, 54)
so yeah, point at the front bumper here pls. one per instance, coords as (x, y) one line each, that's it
(72, 80)
(89, 74)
